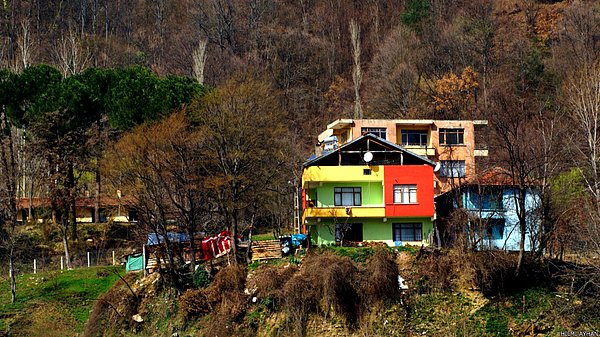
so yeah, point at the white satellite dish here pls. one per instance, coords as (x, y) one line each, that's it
(368, 156)
(437, 167)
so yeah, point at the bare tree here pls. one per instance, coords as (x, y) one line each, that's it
(583, 101)
(199, 59)
(72, 56)
(25, 44)
(356, 68)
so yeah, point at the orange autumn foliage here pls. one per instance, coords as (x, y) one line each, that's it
(456, 94)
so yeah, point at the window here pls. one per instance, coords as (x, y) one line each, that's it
(348, 232)
(494, 229)
(347, 196)
(452, 136)
(414, 137)
(367, 172)
(407, 232)
(453, 169)
(405, 194)
(488, 199)
(132, 215)
(379, 132)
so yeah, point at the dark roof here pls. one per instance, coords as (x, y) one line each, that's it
(496, 176)
(384, 153)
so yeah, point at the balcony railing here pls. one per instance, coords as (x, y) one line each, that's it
(345, 211)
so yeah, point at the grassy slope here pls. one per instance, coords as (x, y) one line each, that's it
(54, 303)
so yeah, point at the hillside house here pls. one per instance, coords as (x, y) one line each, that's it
(490, 203)
(454, 144)
(111, 209)
(369, 189)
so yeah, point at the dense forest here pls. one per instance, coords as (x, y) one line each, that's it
(203, 110)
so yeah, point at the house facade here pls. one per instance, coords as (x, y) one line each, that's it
(451, 143)
(493, 216)
(369, 189)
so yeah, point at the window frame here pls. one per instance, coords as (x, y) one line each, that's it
(454, 166)
(406, 133)
(356, 192)
(499, 224)
(459, 133)
(353, 232)
(411, 191)
(415, 227)
(490, 199)
(380, 132)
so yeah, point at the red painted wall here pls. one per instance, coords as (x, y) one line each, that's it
(420, 175)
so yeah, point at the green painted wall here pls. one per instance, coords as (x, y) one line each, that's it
(374, 229)
(372, 193)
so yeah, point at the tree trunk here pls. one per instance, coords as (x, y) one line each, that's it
(191, 234)
(522, 228)
(234, 228)
(97, 194)
(64, 231)
(72, 204)
(30, 206)
(13, 281)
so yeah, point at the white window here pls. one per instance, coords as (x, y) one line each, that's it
(347, 196)
(405, 194)
(379, 132)
(452, 136)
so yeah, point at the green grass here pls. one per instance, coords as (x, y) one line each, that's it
(73, 292)
(263, 237)
(359, 254)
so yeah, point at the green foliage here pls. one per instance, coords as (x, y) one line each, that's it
(201, 278)
(137, 95)
(533, 73)
(497, 325)
(415, 13)
(28, 88)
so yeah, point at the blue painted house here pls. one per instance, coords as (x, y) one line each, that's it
(490, 212)
(492, 216)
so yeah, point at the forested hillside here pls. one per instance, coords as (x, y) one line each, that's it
(197, 114)
(418, 58)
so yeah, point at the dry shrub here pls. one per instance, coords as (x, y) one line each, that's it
(491, 271)
(194, 302)
(114, 308)
(227, 292)
(380, 281)
(327, 277)
(301, 297)
(435, 271)
(268, 282)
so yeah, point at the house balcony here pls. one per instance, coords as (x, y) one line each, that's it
(421, 150)
(345, 211)
(316, 175)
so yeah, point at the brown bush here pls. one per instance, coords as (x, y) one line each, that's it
(491, 271)
(227, 292)
(435, 271)
(269, 281)
(114, 308)
(325, 283)
(194, 302)
(380, 279)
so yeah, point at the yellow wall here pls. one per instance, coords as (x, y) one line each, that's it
(341, 173)
(340, 212)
